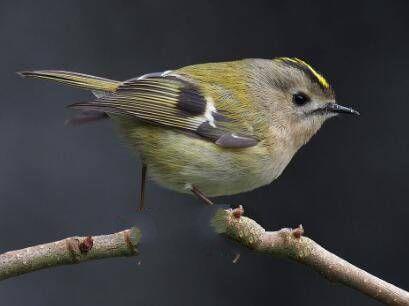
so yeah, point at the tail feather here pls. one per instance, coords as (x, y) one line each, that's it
(74, 79)
(86, 117)
(95, 106)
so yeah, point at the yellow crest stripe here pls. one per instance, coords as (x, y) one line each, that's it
(323, 82)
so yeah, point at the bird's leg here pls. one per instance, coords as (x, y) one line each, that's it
(201, 195)
(142, 192)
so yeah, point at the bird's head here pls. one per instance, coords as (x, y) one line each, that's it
(298, 98)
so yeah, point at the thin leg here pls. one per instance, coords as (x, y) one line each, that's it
(201, 195)
(142, 194)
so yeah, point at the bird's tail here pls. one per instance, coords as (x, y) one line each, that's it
(74, 79)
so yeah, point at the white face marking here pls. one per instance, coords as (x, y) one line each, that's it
(209, 110)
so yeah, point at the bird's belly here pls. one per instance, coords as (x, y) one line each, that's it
(211, 180)
(177, 161)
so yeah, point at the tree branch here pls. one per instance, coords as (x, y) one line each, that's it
(287, 243)
(69, 251)
(290, 243)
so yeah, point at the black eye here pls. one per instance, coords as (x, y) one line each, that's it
(300, 98)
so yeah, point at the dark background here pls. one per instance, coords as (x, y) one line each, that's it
(348, 186)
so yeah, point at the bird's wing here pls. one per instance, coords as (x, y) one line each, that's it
(171, 101)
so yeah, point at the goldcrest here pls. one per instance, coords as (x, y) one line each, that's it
(212, 129)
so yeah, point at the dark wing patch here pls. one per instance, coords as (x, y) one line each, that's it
(225, 139)
(192, 101)
(235, 141)
(207, 131)
(171, 102)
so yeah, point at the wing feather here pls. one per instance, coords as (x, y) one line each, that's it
(172, 102)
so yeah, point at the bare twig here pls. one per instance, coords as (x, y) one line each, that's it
(290, 243)
(69, 251)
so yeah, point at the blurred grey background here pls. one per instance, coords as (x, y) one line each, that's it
(348, 186)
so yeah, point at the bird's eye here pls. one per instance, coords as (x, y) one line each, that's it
(300, 98)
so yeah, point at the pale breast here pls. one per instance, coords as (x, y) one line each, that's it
(176, 160)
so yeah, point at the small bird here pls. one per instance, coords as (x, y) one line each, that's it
(211, 129)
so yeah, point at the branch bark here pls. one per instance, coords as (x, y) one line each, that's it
(291, 244)
(286, 243)
(70, 250)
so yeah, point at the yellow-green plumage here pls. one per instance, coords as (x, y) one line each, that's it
(225, 127)
(176, 159)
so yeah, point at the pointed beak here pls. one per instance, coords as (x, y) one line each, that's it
(336, 108)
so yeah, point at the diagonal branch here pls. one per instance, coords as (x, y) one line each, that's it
(290, 243)
(70, 250)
